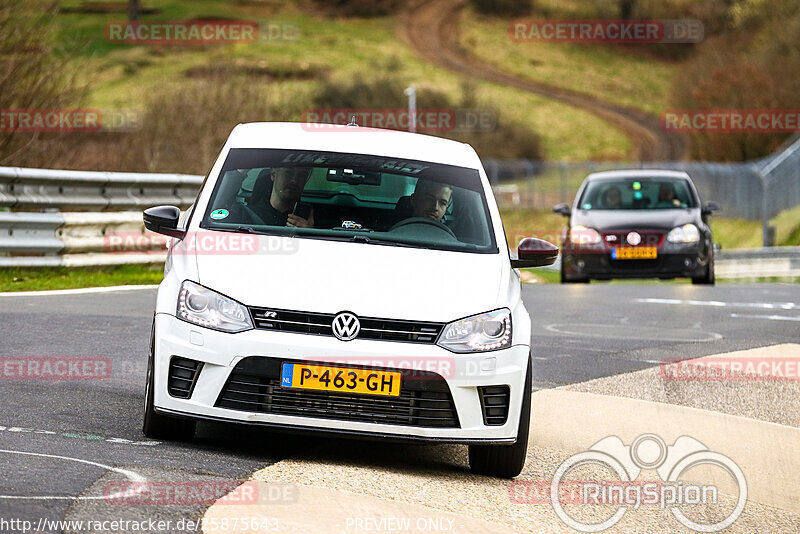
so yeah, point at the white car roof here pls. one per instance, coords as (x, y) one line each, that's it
(351, 139)
(634, 173)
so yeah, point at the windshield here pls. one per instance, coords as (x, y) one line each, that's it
(637, 194)
(353, 197)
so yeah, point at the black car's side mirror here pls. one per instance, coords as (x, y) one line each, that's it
(710, 207)
(562, 209)
(164, 220)
(534, 252)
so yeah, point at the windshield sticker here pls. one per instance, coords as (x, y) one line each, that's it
(219, 214)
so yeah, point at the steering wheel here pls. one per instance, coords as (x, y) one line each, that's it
(423, 220)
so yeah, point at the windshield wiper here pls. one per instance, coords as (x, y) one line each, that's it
(374, 241)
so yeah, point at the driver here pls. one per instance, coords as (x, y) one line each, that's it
(430, 199)
(287, 186)
(667, 197)
(612, 198)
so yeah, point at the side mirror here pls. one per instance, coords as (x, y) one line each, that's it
(164, 220)
(534, 252)
(710, 207)
(562, 209)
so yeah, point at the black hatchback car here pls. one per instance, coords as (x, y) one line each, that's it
(637, 224)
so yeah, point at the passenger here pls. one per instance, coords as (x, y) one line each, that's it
(430, 199)
(612, 198)
(287, 186)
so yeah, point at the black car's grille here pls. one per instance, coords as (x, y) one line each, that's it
(494, 403)
(636, 265)
(254, 386)
(649, 237)
(320, 324)
(183, 374)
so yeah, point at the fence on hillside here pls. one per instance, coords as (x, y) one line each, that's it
(756, 190)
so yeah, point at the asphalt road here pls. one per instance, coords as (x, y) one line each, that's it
(61, 443)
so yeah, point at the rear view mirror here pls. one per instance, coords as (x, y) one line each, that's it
(562, 209)
(534, 252)
(352, 177)
(711, 207)
(164, 220)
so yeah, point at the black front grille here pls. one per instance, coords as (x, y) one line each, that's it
(424, 400)
(320, 324)
(636, 265)
(494, 403)
(183, 374)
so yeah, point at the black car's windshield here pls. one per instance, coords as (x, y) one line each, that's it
(637, 194)
(363, 198)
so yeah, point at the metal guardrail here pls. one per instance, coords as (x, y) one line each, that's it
(39, 189)
(781, 262)
(64, 237)
(83, 239)
(77, 239)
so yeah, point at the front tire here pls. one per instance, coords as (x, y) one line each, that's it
(566, 280)
(506, 461)
(155, 425)
(708, 278)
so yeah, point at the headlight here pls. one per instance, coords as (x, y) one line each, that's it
(204, 307)
(582, 235)
(688, 233)
(482, 332)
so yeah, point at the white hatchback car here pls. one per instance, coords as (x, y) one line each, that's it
(346, 280)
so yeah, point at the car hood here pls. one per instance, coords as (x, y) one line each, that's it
(634, 219)
(369, 280)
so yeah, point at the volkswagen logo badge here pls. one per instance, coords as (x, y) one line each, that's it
(346, 326)
(634, 239)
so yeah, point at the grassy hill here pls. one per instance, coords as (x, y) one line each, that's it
(287, 73)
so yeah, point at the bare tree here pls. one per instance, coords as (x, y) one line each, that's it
(626, 8)
(32, 75)
(133, 10)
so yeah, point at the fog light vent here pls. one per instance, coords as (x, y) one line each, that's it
(183, 374)
(494, 403)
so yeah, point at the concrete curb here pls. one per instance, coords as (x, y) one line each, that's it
(574, 421)
(766, 452)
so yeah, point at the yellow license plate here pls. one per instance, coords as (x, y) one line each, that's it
(340, 379)
(634, 253)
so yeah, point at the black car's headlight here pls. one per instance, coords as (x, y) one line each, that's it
(583, 236)
(479, 333)
(688, 233)
(203, 307)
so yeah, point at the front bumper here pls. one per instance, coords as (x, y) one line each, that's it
(220, 352)
(689, 263)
